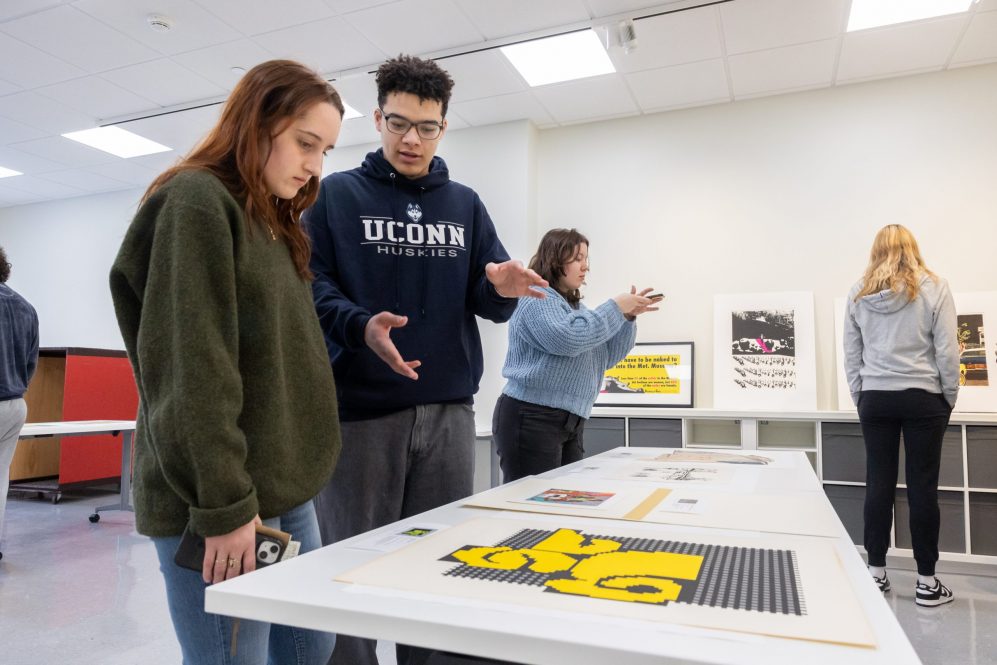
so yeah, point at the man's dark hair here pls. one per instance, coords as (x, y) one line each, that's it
(4, 267)
(423, 78)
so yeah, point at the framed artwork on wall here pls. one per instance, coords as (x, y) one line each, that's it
(652, 374)
(765, 355)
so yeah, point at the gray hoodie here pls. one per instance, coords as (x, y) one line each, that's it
(892, 343)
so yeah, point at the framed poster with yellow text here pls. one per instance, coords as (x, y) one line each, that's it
(652, 374)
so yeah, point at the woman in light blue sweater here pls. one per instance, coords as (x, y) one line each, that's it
(902, 363)
(558, 352)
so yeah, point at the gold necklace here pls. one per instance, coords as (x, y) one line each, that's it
(273, 236)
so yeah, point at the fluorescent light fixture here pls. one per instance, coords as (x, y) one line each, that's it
(875, 13)
(117, 141)
(351, 112)
(575, 55)
(6, 173)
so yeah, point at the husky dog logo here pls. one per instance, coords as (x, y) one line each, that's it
(414, 212)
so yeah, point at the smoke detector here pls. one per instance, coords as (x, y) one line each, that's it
(159, 23)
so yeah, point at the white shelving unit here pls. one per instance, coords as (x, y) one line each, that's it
(833, 443)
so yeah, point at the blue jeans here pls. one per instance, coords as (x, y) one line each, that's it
(205, 639)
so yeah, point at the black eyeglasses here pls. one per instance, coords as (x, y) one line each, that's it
(399, 124)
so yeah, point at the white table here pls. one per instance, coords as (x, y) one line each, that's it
(88, 427)
(302, 592)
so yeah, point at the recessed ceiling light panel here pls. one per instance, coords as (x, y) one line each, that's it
(117, 141)
(875, 13)
(567, 57)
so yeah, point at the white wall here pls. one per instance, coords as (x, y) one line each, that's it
(779, 193)
(61, 253)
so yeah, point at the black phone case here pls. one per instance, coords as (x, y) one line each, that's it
(270, 547)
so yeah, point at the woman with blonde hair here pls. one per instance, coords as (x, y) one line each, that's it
(902, 363)
(237, 421)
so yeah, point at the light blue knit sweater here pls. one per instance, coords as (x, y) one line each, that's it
(558, 355)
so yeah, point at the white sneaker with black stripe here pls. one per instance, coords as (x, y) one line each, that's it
(931, 596)
(882, 582)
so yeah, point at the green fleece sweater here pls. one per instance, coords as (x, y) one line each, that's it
(237, 411)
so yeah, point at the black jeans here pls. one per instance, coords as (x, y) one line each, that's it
(922, 417)
(532, 439)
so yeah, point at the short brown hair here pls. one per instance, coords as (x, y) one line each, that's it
(423, 78)
(557, 248)
(266, 98)
(4, 267)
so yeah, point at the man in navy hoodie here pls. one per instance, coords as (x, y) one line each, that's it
(404, 259)
(18, 359)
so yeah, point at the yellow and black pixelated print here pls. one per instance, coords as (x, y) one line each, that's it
(640, 570)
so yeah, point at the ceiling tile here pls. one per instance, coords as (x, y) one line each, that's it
(164, 82)
(482, 74)
(252, 17)
(980, 41)
(359, 91)
(504, 108)
(63, 151)
(587, 99)
(68, 33)
(215, 63)
(14, 132)
(417, 27)
(910, 47)
(610, 7)
(15, 197)
(33, 109)
(43, 188)
(987, 6)
(310, 44)
(788, 68)
(127, 171)
(754, 25)
(85, 180)
(514, 17)
(6, 87)
(28, 67)
(193, 26)
(16, 8)
(158, 162)
(25, 162)
(672, 39)
(181, 131)
(97, 97)
(358, 131)
(347, 6)
(680, 86)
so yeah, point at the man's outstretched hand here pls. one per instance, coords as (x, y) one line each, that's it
(378, 338)
(512, 279)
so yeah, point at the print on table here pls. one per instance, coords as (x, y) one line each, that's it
(666, 473)
(763, 349)
(572, 497)
(639, 570)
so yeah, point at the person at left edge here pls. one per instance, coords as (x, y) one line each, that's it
(18, 360)
(237, 419)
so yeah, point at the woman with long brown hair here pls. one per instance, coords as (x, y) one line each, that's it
(558, 352)
(237, 421)
(902, 362)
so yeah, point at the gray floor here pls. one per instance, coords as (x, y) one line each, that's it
(76, 592)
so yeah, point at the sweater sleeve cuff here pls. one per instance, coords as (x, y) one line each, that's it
(219, 521)
(357, 328)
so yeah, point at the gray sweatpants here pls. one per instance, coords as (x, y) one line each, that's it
(391, 468)
(12, 414)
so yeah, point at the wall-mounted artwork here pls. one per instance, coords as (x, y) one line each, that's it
(976, 321)
(652, 374)
(784, 586)
(764, 352)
